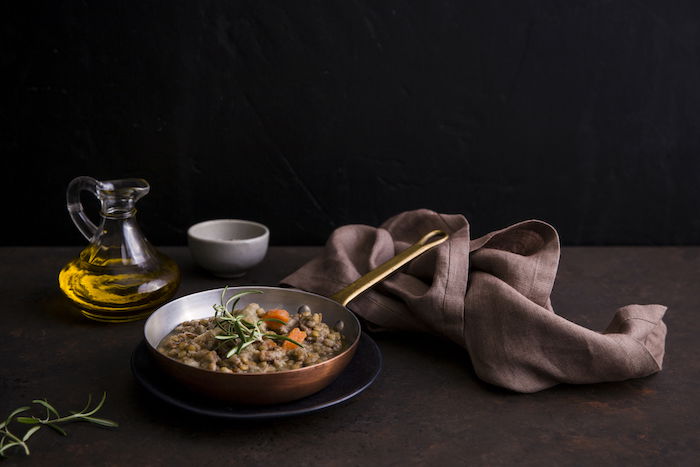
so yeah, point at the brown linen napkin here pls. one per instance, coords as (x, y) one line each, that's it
(489, 295)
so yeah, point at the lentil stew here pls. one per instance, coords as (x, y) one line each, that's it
(285, 342)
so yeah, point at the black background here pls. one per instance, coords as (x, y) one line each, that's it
(309, 115)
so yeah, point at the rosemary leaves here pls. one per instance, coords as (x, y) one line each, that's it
(52, 419)
(237, 330)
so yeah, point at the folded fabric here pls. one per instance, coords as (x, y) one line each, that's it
(489, 295)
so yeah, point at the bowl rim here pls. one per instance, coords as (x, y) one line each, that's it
(192, 235)
(347, 349)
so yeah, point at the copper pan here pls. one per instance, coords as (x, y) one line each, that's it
(280, 386)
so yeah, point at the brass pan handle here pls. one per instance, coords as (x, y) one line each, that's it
(381, 272)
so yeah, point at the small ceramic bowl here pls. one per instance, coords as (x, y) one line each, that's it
(228, 247)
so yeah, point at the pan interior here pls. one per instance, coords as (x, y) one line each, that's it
(199, 305)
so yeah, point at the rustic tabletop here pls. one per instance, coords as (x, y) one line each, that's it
(426, 406)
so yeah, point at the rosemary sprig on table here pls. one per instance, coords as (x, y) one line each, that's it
(243, 333)
(10, 440)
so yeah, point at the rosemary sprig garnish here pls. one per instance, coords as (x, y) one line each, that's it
(10, 440)
(241, 332)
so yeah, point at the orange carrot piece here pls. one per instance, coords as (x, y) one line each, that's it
(282, 315)
(296, 334)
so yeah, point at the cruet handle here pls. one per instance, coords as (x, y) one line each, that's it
(75, 207)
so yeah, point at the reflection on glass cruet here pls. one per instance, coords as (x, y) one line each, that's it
(119, 276)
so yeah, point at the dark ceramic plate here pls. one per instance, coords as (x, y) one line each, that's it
(357, 376)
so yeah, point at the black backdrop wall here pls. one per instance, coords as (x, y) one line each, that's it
(309, 115)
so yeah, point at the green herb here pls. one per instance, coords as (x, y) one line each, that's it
(10, 440)
(239, 331)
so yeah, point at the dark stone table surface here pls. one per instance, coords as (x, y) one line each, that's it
(426, 408)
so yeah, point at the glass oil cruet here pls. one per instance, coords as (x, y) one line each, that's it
(119, 276)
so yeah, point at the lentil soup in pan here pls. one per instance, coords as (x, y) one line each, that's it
(253, 340)
(284, 345)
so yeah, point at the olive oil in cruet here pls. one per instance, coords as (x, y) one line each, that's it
(119, 276)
